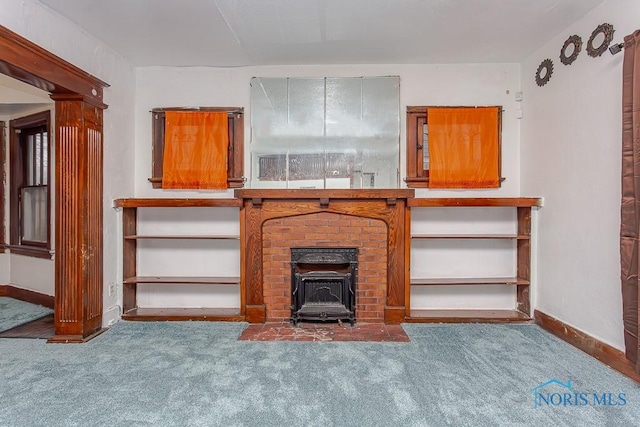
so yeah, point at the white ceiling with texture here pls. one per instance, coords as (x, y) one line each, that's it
(281, 32)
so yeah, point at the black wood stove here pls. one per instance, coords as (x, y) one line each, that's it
(323, 283)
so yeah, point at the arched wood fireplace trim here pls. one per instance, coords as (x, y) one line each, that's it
(259, 206)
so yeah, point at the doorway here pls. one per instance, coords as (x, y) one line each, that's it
(78, 131)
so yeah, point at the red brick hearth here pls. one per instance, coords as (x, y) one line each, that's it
(273, 221)
(324, 332)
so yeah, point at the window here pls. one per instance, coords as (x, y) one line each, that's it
(235, 157)
(341, 132)
(478, 150)
(29, 201)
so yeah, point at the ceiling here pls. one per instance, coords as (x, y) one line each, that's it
(18, 98)
(231, 33)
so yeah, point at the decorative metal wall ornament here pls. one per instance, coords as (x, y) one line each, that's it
(604, 29)
(575, 41)
(545, 69)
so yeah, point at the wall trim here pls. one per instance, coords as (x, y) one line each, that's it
(26, 295)
(605, 353)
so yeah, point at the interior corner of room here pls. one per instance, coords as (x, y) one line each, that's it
(336, 147)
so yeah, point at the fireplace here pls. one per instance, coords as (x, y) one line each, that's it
(274, 221)
(323, 283)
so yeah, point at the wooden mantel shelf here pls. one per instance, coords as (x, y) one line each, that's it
(324, 194)
(327, 194)
(176, 203)
(481, 201)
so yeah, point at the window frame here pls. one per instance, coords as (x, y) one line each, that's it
(417, 177)
(17, 178)
(235, 155)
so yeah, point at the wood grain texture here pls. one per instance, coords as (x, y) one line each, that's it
(469, 281)
(262, 205)
(78, 274)
(322, 193)
(176, 203)
(177, 280)
(484, 201)
(183, 237)
(605, 353)
(184, 314)
(256, 313)
(78, 187)
(27, 295)
(34, 65)
(523, 257)
(522, 280)
(466, 316)
(471, 236)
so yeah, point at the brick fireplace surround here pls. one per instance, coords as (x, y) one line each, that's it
(273, 221)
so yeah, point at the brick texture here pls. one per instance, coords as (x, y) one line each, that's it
(326, 229)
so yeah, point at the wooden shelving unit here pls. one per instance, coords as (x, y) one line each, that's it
(130, 279)
(467, 316)
(522, 281)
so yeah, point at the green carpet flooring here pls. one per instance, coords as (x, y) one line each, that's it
(14, 312)
(199, 374)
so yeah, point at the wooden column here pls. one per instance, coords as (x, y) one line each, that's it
(251, 260)
(78, 218)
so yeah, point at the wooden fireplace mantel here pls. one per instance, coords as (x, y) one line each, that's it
(259, 206)
(320, 194)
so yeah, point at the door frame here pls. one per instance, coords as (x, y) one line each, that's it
(78, 141)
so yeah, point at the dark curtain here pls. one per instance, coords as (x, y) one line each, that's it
(630, 208)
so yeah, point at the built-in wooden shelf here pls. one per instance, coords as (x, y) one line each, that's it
(130, 246)
(469, 281)
(466, 316)
(176, 203)
(522, 238)
(470, 202)
(183, 237)
(472, 236)
(393, 206)
(178, 314)
(177, 280)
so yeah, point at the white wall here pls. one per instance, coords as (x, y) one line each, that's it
(46, 28)
(34, 274)
(466, 84)
(571, 139)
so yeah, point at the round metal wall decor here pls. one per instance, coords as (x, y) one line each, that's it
(545, 69)
(607, 31)
(575, 41)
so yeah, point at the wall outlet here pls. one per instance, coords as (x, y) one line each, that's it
(112, 289)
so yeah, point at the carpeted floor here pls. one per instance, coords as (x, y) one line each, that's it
(14, 312)
(200, 374)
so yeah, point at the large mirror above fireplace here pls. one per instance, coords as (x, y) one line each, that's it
(339, 132)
